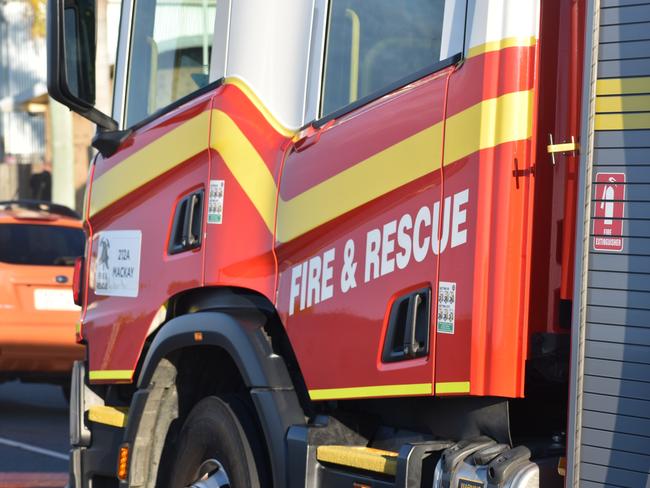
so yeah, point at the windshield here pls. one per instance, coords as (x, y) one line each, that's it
(41, 245)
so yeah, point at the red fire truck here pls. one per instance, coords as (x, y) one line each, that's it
(347, 243)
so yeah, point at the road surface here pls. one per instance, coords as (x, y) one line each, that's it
(33, 436)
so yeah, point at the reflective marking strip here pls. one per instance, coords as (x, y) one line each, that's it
(623, 86)
(501, 44)
(254, 99)
(381, 173)
(371, 391)
(165, 153)
(104, 414)
(630, 103)
(622, 121)
(487, 124)
(452, 387)
(245, 163)
(366, 458)
(111, 374)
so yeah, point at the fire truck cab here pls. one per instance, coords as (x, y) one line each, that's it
(333, 242)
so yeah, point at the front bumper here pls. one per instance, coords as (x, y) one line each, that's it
(94, 446)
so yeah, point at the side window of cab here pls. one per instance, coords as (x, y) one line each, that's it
(373, 45)
(170, 54)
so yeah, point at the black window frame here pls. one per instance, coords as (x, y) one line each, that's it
(455, 59)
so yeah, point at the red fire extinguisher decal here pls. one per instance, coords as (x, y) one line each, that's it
(609, 204)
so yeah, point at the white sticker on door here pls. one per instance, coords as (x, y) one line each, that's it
(215, 202)
(446, 307)
(117, 266)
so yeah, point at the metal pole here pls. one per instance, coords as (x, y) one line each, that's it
(63, 190)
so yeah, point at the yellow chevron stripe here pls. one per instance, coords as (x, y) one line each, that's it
(371, 391)
(158, 157)
(622, 121)
(252, 96)
(484, 125)
(501, 44)
(487, 124)
(628, 103)
(623, 86)
(245, 163)
(110, 374)
(381, 173)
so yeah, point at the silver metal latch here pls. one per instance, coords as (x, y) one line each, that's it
(564, 147)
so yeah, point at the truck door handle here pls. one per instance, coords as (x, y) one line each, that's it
(408, 329)
(187, 224)
(192, 237)
(411, 345)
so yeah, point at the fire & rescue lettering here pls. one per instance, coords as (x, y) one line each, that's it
(389, 247)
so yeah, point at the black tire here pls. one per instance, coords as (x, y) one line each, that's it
(224, 430)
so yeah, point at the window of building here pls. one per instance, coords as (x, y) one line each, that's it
(371, 45)
(170, 53)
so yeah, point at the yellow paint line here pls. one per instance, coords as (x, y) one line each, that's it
(371, 391)
(629, 103)
(156, 158)
(366, 458)
(623, 86)
(107, 415)
(501, 44)
(110, 374)
(452, 387)
(622, 121)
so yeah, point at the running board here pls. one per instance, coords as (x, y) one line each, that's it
(319, 456)
(363, 458)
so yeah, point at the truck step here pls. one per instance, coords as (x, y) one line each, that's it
(359, 457)
(107, 415)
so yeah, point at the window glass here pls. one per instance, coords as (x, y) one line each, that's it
(373, 43)
(170, 53)
(42, 245)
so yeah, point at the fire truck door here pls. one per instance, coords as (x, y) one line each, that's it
(354, 241)
(147, 199)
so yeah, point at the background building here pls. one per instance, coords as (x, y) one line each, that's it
(38, 136)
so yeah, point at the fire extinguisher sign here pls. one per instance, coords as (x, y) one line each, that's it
(609, 202)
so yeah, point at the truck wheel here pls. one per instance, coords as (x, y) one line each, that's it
(219, 446)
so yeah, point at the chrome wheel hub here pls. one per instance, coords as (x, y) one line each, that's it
(212, 474)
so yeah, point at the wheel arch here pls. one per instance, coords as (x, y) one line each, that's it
(244, 327)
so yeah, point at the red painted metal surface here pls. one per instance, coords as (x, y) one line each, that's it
(510, 272)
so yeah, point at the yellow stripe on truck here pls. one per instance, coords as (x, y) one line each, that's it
(623, 86)
(104, 414)
(447, 388)
(359, 457)
(628, 103)
(371, 391)
(501, 44)
(622, 121)
(110, 374)
(158, 157)
(487, 124)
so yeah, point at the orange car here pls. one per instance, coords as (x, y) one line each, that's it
(39, 243)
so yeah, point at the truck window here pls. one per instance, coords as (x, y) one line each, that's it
(170, 53)
(371, 45)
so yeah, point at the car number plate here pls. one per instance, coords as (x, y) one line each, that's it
(51, 299)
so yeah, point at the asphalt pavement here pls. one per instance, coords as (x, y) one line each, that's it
(33, 435)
